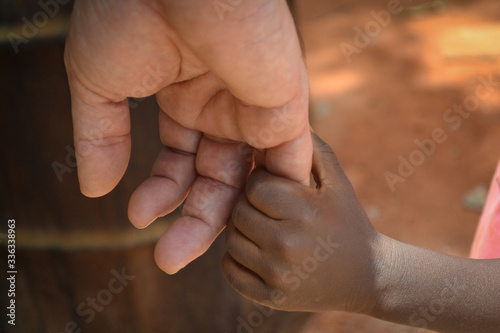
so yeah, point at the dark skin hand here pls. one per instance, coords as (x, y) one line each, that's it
(297, 248)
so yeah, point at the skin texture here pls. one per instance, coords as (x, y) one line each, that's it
(219, 80)
(296, 248)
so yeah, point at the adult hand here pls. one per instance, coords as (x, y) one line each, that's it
(230, 72)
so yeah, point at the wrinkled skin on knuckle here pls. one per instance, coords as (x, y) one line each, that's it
(233, 275)
(230, 273)
(306, 220)
(336, 193)
(264, 296)
(237, 212)
(272, 273)
(230, 239)
(288, 248)
(242, 215)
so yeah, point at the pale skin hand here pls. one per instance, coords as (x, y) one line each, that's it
(241, 79)
(296, 248)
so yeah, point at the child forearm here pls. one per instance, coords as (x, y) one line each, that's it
(426, 289)
(297, 248)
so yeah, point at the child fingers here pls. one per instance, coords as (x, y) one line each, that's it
(243, 280)
(242, 249)
(254, 225)
(276, 197)
(326, 168)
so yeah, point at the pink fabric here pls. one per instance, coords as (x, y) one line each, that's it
(487, 240)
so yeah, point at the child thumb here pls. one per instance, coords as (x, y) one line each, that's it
(326, 168)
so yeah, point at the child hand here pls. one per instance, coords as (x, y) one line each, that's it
(296, 248)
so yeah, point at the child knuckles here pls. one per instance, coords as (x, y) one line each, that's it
(272, 274)
(257, 192)
(256, 179)
(285, 247)
(231, 241)
(237, 214)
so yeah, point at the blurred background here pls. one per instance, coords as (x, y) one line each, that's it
(385, 76)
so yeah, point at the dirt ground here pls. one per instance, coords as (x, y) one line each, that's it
(373, 104)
